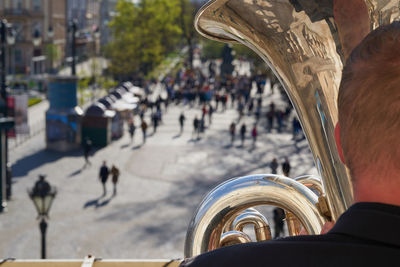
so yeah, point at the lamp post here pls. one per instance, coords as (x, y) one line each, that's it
(37, 41)
(10, 41)
(5, 122)
(50, 34)
(96, 36)
(42, 195)
(3, 29)
(73, 28)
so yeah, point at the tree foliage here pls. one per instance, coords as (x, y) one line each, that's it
(213, 50)
(143, 34)
(188, 11)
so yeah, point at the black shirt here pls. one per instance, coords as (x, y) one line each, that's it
(367, 234)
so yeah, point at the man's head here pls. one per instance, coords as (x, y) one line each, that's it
(369, 105)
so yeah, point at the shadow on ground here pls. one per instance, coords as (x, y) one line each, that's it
(24, 165)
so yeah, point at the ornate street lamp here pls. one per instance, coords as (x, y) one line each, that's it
(36, 38)
(37, 41)
(11, 36)
(42, 195)
(50, 32)
(97, 33)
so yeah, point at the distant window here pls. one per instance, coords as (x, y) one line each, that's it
(18, 55)
(36, 5)
(17, 4)
(37, 26)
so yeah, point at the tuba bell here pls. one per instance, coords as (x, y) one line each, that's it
(305, 43)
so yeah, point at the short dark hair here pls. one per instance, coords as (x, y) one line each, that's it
(369, 102)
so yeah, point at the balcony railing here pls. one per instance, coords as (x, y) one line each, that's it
(22, 12)
(96, 263)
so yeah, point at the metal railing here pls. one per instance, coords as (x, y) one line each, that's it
(34, 129)
(22, 12)
(85, 263)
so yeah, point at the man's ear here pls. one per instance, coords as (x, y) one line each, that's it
(338, 142)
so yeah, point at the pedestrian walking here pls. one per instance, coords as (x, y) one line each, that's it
(154, 118)
(87, 147)
(210, 113)
(203, 111)
(232, 131)
(279, 118)
(286, 167)
(274, 166)
(144, 130)
(279, 216)
(251, 106)
(196, 126)
(240, 109)
(224, 101)
(270, 116)
(254, 134)
(296, 128)
(202, 126)
(159, 116)
(132, 129)
(104, 172)
(243, 133)
(114, 178)
(182, 121)
(217, 100)
(270, 120)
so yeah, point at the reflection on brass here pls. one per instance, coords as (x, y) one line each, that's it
(293, 224)
(229, 223)
(231, 198)
(312, 182)
(305, 43)
(234, 237)
(260, 223)
(323, 208)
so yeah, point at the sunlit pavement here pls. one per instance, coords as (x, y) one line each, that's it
(161, 184)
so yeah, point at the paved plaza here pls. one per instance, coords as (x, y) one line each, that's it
(161, 184)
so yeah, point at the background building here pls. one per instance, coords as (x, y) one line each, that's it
(107, 11)
(86, 14)
(35, 17)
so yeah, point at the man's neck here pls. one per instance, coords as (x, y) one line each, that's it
(383, 191)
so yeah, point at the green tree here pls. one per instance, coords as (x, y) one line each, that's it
(144, 34)
(245, 52)
(211, 49)
(52, 53)
(188, 11)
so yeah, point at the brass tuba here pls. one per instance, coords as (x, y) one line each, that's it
(305, 43)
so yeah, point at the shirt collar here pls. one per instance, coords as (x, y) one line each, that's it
(371, 221)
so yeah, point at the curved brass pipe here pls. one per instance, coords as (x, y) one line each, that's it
(312, 182)
(260, 223)
(229, 223)
(234, 237)
(238, 194)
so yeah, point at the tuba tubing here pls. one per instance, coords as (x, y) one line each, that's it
(235, 195)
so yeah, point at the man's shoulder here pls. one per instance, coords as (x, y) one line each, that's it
(319, 250)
